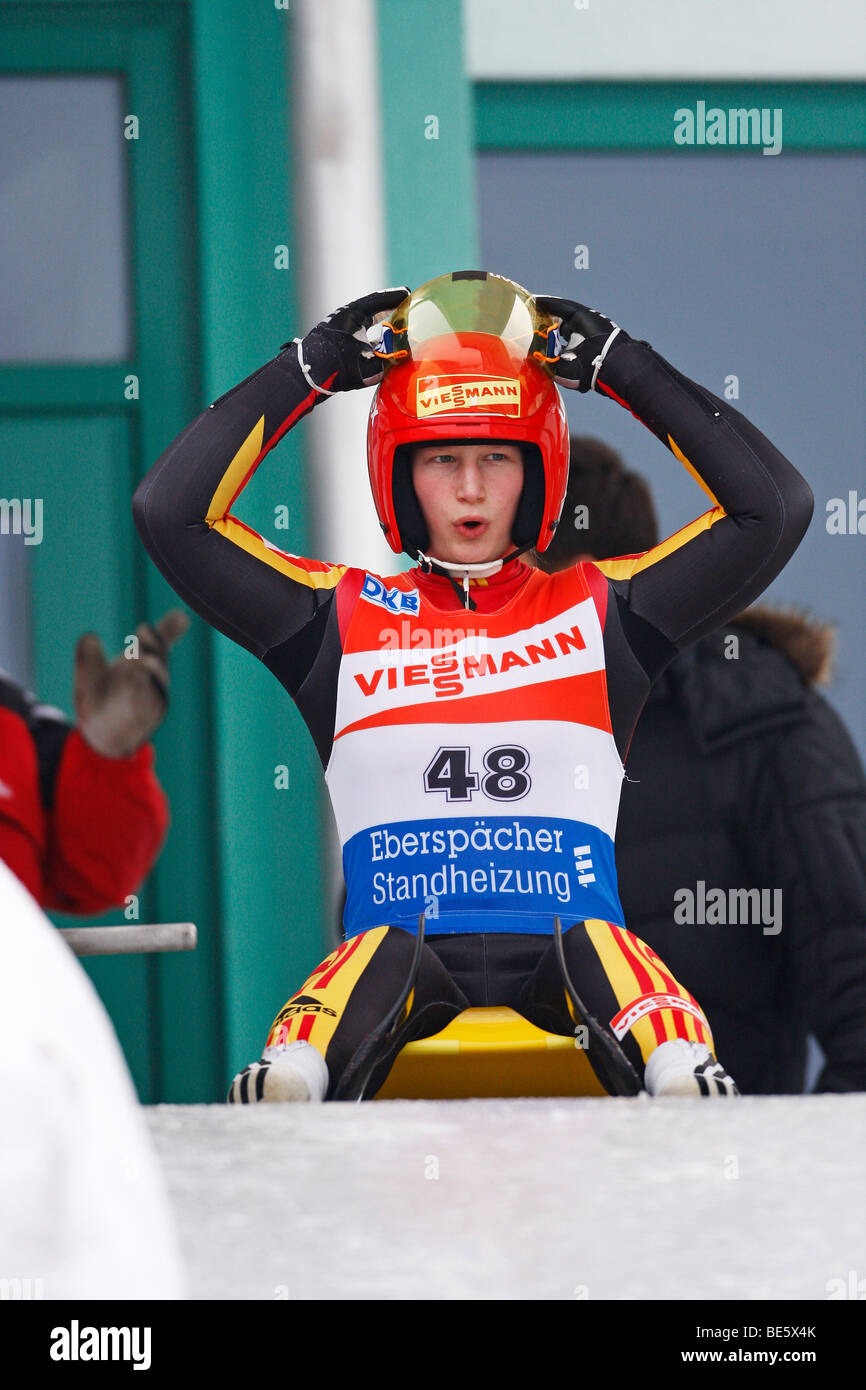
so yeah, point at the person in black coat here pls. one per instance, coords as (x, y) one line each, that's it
(741, 842)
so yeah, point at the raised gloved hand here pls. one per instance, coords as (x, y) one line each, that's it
(587, 337)
(336, 355)
(120, 704)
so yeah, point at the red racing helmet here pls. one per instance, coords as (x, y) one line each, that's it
(469, 356)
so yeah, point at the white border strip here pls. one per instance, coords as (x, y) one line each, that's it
(679, 39)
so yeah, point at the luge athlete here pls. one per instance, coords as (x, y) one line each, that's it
(473, 714)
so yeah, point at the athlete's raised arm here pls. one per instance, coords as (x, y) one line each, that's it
(712, 569)
(253, 592)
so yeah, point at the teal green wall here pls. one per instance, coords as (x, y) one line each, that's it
(210, 193)
(639, 115)
(270, 841)
(430, 210)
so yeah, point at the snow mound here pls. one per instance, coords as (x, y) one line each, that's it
(83, 1211)
(751, 1198)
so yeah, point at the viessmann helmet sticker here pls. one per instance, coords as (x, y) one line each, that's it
(433, 394)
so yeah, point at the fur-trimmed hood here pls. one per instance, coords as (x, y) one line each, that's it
(782, 654)
(806, 641)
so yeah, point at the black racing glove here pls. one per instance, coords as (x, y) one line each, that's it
(337, 355)
(587, 338)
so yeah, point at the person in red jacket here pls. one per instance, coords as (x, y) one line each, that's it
(82, 815)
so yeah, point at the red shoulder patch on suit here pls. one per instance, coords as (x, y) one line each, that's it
(598, 590)
(347, 593)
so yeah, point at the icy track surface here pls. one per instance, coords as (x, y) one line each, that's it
(761, 1197)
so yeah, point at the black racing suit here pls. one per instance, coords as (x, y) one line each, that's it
(300, 617)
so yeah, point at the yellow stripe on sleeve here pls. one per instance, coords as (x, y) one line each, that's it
(252, 543)
(628, 565)
(623, 567)
(237, 469)
(678, 453)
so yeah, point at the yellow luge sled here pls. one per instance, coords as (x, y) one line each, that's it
(490, 1052)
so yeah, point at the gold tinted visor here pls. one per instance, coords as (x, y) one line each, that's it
(438, 316)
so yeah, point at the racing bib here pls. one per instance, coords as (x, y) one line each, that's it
(474, 774)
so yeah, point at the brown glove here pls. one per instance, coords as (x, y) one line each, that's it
(119, 705)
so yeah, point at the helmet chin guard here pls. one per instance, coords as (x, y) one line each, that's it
(469, 358)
